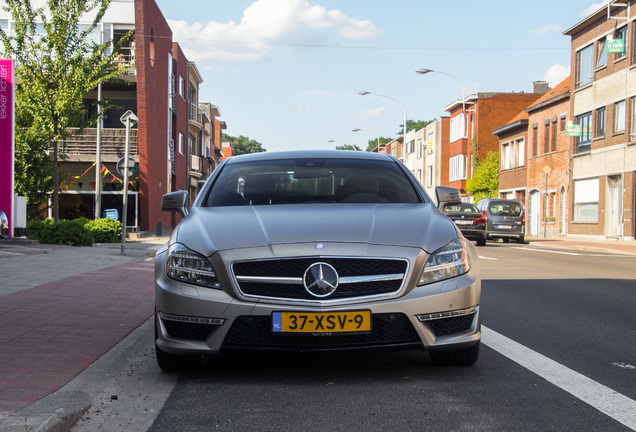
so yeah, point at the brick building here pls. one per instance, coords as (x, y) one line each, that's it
(548, 149)
(603, 105)
(472, 121)
(156, 85)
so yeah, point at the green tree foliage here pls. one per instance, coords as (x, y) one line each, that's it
(374, 143)
(414, 125)
(243, 145)
(485, 181)
(57, 64)
(349, 147)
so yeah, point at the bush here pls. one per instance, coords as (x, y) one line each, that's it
(105, 230)
(78, 232)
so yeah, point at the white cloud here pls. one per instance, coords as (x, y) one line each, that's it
(546, 28)
(593, 8)
(303, 108)
(265, 25)
(556, 73)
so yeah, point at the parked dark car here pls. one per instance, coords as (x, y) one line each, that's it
(505, 219)
(470, 221)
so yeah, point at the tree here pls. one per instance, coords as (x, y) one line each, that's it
(414, 125)
(244, 145)
(374, 143)
(56, 66)
(485, 181)
(349, 147)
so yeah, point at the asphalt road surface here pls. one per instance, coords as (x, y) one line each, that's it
(558, 353)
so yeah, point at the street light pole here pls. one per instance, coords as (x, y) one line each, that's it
(364, 93)
(424, 71)
(375, 133)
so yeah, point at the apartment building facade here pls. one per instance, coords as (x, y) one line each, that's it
(603, 106)
(157, 85)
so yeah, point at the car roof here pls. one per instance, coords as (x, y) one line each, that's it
(302, 154)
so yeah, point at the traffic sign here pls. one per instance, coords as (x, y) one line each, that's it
(129, 115)
(546, 169)
(132, 166)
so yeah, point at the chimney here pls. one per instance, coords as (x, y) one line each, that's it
(541, 87)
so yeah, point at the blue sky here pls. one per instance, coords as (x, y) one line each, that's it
(287, 72)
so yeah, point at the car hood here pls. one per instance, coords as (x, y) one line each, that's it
(207, 230)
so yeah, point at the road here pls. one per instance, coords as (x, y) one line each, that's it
(558, 354)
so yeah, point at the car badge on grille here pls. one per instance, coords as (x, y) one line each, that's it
(319, 246)
(320, 279)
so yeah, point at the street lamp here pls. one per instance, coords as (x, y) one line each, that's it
(364, 93)
(367, 130)
(344, 143)
(423, 71)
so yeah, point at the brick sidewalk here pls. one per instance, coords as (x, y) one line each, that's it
(51, 333)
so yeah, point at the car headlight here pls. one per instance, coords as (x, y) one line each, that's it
(447, 262)
(188, 266)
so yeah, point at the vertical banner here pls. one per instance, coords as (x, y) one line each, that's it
(6, 141)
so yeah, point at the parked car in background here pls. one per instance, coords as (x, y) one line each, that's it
(315, 251)
(505, 219)
(470, 221)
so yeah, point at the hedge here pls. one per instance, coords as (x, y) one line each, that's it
(77, 232)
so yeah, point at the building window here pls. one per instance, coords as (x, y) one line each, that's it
(181, 87)
(634, 42)
(429, 143)
(632, 134)
(410, 147)
(619, 117)
(586, 200)
(181, 144)
(584, 142)
(535, 140)
(601, 52)
(584, 69)
(562, 123)
(457, 128)
(429, 176)
(546, 138)
(553, 137)
(513, 154)
(420, 143)
(151, 47)
(457, 168)
(599, 126)
(621, 33)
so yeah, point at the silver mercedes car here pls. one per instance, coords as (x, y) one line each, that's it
(315, 251)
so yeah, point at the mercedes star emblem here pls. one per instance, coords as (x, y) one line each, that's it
(320, 279)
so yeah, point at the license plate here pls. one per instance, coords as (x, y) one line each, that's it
(463, 222)
(322, 322)
(504, 226)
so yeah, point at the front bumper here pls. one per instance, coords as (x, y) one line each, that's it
(197, 320)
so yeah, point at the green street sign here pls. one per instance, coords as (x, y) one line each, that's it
(615, 45)
(573, 130)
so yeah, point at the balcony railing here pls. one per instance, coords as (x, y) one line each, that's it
(80, 148)
(195, 114)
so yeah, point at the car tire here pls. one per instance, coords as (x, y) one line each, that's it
(481, 242)
(521, 239)
(505, 239)
(459, 357)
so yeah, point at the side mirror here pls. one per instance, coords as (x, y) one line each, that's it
(175, 202)
(447, 194)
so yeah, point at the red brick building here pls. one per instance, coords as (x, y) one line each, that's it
(548, 150)
(470, 130)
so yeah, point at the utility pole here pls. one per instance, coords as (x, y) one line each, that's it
(129, 119)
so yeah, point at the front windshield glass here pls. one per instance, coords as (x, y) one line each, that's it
(302, 181)
(460, 208)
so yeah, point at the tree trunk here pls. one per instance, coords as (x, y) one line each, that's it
(56, 186)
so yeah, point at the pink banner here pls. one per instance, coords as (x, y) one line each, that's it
(6, 140)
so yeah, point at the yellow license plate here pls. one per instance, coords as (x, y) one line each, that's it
(321, 322)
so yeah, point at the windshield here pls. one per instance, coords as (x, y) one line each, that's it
(300, 181)
(504, 208)
(460, 208)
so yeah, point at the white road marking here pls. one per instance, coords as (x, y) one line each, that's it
(617, 406)
(546, 251)
(624, 365)
(10, 253)
(488, 258)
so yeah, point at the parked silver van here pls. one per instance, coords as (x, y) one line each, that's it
(505, 219)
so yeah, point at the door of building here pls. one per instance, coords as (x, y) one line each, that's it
(535, 212)
(562, 211)
(615, 206)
